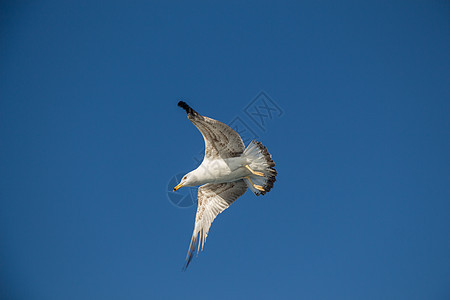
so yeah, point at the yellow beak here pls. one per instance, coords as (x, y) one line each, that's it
(177, 187)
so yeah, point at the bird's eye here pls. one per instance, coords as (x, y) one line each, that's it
(184, 177)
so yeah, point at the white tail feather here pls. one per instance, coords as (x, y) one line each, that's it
(260, 161)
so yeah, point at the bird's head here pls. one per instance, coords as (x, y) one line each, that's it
(188, 180)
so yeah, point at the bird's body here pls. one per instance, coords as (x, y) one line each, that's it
(221, 170)
(226, 172)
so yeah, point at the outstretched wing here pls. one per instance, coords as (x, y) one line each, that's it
(212, 199)
(220, 139)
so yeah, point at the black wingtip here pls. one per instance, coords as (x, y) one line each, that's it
(194, 240)
(186, 263)
(187, 108)
(183, 105)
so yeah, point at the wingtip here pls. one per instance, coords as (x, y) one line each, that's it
(186, 107)
(187, 262)
(185, 266)
(183, 105)
(192, 246)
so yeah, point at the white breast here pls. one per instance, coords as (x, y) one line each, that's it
(222, 170)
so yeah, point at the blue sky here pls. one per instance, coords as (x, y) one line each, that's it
(91, 136)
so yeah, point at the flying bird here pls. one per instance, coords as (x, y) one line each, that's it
(227, 170)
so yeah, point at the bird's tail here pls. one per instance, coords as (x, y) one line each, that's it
(260, 162)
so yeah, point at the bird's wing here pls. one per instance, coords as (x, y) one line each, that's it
(212, 199)
(220, 139)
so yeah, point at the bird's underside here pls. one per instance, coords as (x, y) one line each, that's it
(232, 169)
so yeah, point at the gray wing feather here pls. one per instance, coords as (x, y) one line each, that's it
(212, 199)
(220, 139)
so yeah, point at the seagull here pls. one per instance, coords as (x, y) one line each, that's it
(227, 170)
